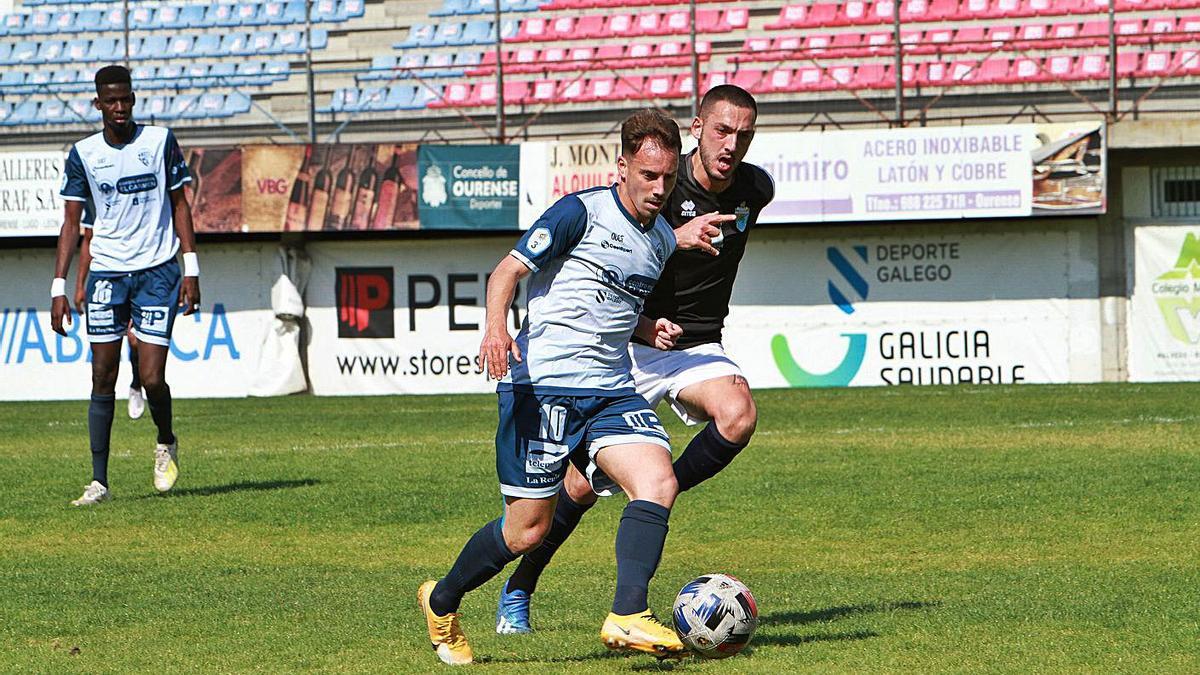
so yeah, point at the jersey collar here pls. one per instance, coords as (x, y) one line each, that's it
(629, 216)
(137, 131)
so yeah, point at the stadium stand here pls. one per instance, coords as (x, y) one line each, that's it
(243, 62)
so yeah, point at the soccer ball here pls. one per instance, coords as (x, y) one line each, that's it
(715, 615)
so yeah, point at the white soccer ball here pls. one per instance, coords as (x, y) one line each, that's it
(715, 615)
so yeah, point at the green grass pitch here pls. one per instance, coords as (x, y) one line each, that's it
(1011, 529)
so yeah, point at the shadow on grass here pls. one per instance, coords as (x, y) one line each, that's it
(580, 658)
(796, 640)
(245, 486)
(834, 613)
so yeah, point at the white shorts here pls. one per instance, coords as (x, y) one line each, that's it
(659, 374)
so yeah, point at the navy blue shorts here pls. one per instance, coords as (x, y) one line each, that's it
(539, 433)
(148, 297)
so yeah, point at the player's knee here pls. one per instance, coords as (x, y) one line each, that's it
(527, 538)
(736, 420)
(104, 378)
(153, 383)
(578, 489)
(659, 487)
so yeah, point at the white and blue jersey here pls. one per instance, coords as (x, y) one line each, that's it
(572, 394)
(593, 267)
(125, 194)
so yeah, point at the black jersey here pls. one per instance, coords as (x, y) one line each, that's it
(694, 288)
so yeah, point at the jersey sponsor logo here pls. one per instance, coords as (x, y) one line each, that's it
(134, 184)
(606, 244)
(643, 420)
(687, 209)
(100, 317)
(545, 456)
(637, 285)
(145, 157)
(365, 302)
(154, 319)
(539, 240)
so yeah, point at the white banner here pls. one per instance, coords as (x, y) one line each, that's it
(29, 201)
(1164, 321)
(213, 352)
(934, 172)
(926, 306)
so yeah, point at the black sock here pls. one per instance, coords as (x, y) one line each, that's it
(640, 538)
(159, 401)
(567, 514)
(136, 384)
(100, 419)
(481, 559)
(704, 457)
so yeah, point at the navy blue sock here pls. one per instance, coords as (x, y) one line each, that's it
(567, 514)
(100, 419)
(481, 559)
(704, 457)
(159, 401)
(640, 539)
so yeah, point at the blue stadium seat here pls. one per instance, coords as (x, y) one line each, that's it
(38, 81)
(210, 105)
(234, 43)
(50, 51)
(88, 19)
(180, 46)
(196, 75)
(207, 44)
(81, 110)
(263, 42)
(151, 47)
(320, 39)
(438, 64)
(12, 82)
(14, 24)
(277, 71)
(294, 12)
(171, 76)
(40, 22)
(425, 95)
(192, 16)
(455, 8)
(382, 66)
(24, 113)
(478, 33)
(419, 35)
(250, 14)
(447, 34)
(251, 73)
(399, 97)
(185, 106)
(465, 60)
(5, 111)
(5, 52)
(412, 63)
(236, 103)
(142, 18)
(324, 10)
(64, 80)
(371, 98)
(220, 15)
(64, 22)
(155, 107)
(142, 76)
(52, 112)
(24, 52)
(509, 28)
(77, 49)
(274, 12)
(223, 73)
(341, 99)
(105, 49)
(170, 17)
(350, 9)
(113, 19)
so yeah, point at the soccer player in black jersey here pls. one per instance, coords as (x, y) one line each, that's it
(697, 379)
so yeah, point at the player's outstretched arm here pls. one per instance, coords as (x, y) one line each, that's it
(85, 263)
(497, 343)
(661, 334)
(699, 232)
(189, 290)
(68, 237)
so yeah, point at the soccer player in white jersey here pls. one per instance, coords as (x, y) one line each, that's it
(129, 177)
(696, 377)
(568, 398)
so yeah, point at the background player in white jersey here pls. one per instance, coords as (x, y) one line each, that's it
(699, 381)
(130, 179)
(569, 397)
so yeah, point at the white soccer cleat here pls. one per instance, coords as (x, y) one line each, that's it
(137, 404)
(93, 493)
(166, 466)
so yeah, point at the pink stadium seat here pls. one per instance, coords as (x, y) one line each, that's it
(619, 25)
(787, 47)
(790, 16)
(561, 28)
(936, 40)
(750, 80)
(1092, 33)
(1127, 64)
(817, 44)
(1187, 25)
(971, 10)
(779, 80)
(610, 56)
(1030, 36)
(647, 24)
(1001, 37)
(683, 86)
(484, 94)
(516, 92)
(912, 42)
(455, 95)
(640, 55)
(821, 14)
(932, 74)
(525, 60)
(677, 23)
(915, 11)
(1161, 29)
(968, 39)
(1012, 9)
(1093, 67)
(853, 13)
(1028, 70)
(755, 49)
(882, 11)
(714, 79)
(1059, 67)
(590, 26)
(871, 76)
(660, 86)
(1155, 64)
(629, 87)
(1061, 35)
(1128, 27)
(734, 18)
(581, 58)
(532, 28)
(847, 45)
(908, 74)
(993, 71)
(964, 71)
(599, 89)
(544, 91)
(842, 76)
(554, 59)
(879, 44)
(1186, 62)
(675, 53)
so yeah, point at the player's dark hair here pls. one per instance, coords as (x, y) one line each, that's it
(653, 124)
(113, 75)
(730, 93)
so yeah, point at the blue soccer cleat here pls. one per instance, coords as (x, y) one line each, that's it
(512, 613)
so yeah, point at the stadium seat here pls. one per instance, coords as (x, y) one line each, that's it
(811, 78)
(1062, 67)
(589, 27)
(400, 97)
(1186, 62)
(1128, 64)
(453, 8)
(50, 51)
(207, 44)
(412, 64)
(151, 47)
(1030, 36)
(82, 109)
(419, 34)
(968, 39)
(618, 25)
(324, 10)
(250, 14)
(790, 16)
(236, 103)
(222, 15)
(24, 113)
(1161, 29)
(12, 82)
(64, 22)
(847, 45)
(532, 28)
(5, 111)
(180, 46)
(192, 16)
(478, 33)
(581, 58)
(24, 52)
(142, 18)
(446, 34)
(935, 41)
